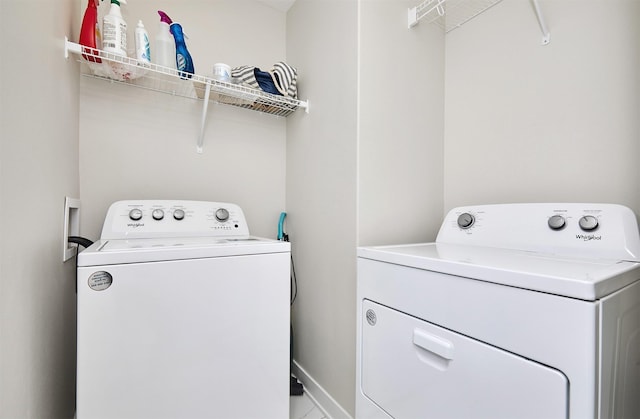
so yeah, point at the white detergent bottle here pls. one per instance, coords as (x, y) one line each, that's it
(143, 52)
(164, 51)
(114, 30)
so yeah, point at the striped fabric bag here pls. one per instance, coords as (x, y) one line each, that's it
(282, 79)
(285, 77)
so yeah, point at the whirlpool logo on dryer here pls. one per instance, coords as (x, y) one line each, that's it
(588, 237)
(135, 225)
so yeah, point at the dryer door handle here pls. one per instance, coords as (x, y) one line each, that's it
(432, 343)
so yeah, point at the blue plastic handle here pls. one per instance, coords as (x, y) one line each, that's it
(280, 225)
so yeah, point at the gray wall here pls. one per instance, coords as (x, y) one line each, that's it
(321, 192)
(526, 122)
(38, 168)
(401, 123)
(364, 167)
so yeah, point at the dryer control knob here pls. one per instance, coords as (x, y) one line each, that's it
(222, 214)
(588, 223)
(178, 214)
(157, 214)
(556, 222)
(466, 220)
(135, 214)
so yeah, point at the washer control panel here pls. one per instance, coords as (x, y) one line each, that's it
(589, 230)
(164, 218)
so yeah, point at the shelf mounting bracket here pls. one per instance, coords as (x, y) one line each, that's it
(546, 36)
(205, 107)
(423, 9)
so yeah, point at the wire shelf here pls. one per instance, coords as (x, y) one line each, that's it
(114, 68)
(449, 14)
(119, 69)
(246, 97)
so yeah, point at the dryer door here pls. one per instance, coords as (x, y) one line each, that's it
(414, 369)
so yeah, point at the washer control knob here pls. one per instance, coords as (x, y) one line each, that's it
(466, 220)
(556, 222)
(222, 214)
(135, 214)
(588, 223)
(178, 214)
(157, 214)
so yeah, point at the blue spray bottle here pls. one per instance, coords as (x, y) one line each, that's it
(184, 63)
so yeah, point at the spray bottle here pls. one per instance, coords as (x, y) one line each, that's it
(143, 52)
(184, 63)
(114, 30)
(90, 31)
(165, 48)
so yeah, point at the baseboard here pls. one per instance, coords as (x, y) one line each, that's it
(319, 395)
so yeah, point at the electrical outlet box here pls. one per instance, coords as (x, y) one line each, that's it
(71, 227)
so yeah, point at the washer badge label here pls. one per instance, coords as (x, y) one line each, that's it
(372, 319)
(100, 281)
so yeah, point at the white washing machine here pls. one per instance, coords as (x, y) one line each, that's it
(182, 314)
(516, 311)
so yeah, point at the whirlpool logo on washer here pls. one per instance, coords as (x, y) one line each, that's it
(100, 280)
(135, 225)
(588, 237)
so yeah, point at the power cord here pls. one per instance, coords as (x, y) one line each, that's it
(294, 280)
(295, 387)
(80, 241)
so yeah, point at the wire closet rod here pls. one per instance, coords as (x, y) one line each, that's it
(451, 14)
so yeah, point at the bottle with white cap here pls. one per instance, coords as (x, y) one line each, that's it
(114, 30)
(143, 51)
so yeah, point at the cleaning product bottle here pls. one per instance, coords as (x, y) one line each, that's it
(90, 31)
(164, 51)
(143, 52)
(184, 63)
(114, 30)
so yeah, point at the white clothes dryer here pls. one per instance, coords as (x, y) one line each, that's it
(182, 314)
(516, 311)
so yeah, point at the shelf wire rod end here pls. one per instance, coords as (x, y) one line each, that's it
(305, 105)
(546, 36)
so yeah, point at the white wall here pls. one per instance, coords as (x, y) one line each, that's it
(321, 191)
(364, 167)
(401, 122)
(38, 168)
(526, 122)
(138, 144)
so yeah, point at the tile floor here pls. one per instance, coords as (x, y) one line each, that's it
(302, 407)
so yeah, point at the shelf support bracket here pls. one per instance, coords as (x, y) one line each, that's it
(71, 47)
(413, 17)
(423, 9)
(546, 36)
(205, 107)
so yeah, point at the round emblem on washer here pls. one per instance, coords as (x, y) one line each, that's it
(371, 317)
(100, 281)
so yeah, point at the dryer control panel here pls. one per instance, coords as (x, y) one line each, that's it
(600, 231)
(165, 218)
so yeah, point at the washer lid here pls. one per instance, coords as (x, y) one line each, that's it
(113, 252)
(587, 279)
